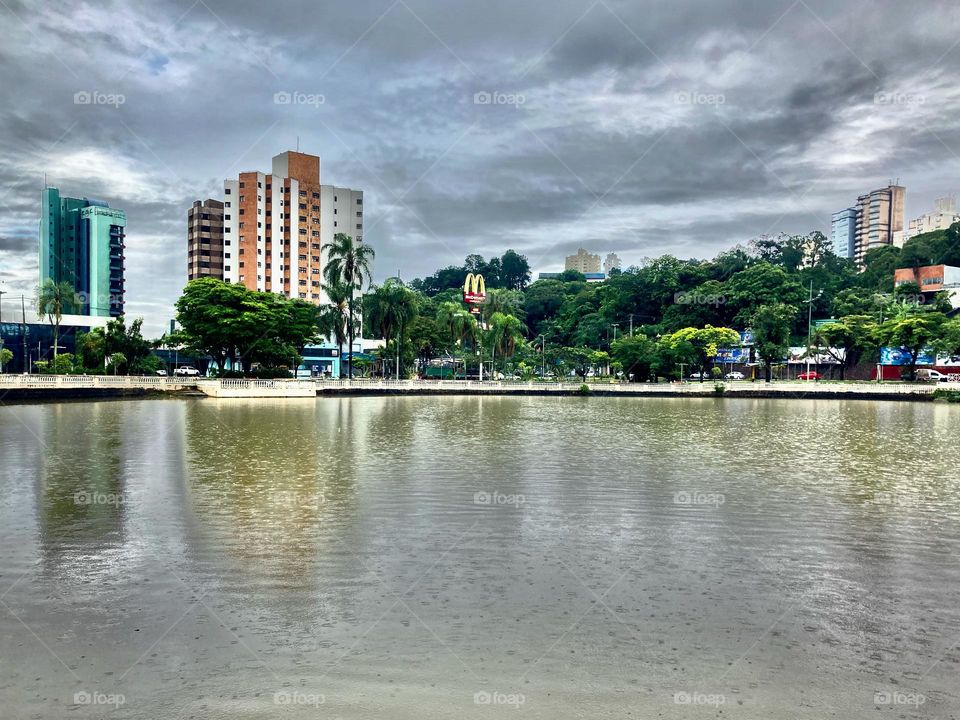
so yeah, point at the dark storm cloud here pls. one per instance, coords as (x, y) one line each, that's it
(639, 128)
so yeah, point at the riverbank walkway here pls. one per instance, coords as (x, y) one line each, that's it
(15, 388)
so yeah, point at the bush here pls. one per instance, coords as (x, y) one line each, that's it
(950, 396)
(719, 388)
(584, 390)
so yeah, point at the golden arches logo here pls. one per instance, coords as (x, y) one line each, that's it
(474, 285)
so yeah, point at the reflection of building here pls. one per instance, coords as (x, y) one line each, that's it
(205, 254)
(81, 242)
(275, 226)
(943, 216)
(843, 227)
(932, 279)
(611, 262)
(879, 216)
(583, 262)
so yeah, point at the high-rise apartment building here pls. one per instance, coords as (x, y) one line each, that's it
(611, 262)
(879, 216)
(583, 262)
(943, 216)
(205, 254)
(82, 242)
(275, 226)
(843, 232)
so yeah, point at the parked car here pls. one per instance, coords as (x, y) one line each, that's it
(928, 375)
(811, 375)
(735, 375)
(161, 373)
(186, 371)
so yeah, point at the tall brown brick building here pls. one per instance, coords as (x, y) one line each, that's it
(205, 240)
(276, 224)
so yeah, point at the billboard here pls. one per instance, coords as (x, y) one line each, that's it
(900, 356)
(739, 355)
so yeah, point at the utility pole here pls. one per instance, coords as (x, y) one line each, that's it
(543, 356)
(631, 324)
(23, 329)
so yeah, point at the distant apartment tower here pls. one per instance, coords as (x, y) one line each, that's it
(205, 254)
(943, 216)
(879, 216)
(843, 232)
(275, 225)
(583, 262)
(611, 262)
(82, 243)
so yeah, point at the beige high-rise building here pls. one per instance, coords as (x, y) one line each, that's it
(879, 216)
(583, 262)
(943, 216)
(275, 226)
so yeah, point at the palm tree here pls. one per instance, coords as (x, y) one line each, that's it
(348, 262)
(390, 308)
(334, 316)
(53, 299)
(506, 331)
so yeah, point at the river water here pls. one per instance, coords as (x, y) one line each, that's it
(477, 557)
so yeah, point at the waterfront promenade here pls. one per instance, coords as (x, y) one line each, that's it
(15, 388)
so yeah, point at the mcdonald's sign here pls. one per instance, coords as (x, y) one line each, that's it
(474, 290)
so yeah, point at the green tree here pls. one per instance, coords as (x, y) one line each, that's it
(389, 309)
(771, 333)
(514, 270)
(54, 299)
(913, 332)
(846, 340)
(637, 355)
(506, 333)
(5, 357)
(700, 345)
(332, 319)
(348, 262)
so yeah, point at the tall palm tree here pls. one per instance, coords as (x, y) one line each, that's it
(348, 262)
(506, 331)
(334, 316)
(390, 308)
(53, 300)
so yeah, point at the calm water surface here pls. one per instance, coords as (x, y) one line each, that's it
(480, 557)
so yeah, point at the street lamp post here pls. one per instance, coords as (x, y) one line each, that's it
(543, 355)
(810, 324)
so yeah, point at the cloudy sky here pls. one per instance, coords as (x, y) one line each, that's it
(636, 127)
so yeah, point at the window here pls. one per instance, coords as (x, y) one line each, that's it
(334, 211)
(301, 282)
(241, 226)
(226, 191)
(359, 213)
(241, 265)
(334, 222)
(226, 255)
(241, 251)
(240, 278)
(316, 195)
(334, 198)
(241, 184)
(259, 251)
(303, 218)
(303, 231)
(259, 224)
(315, 246)
(227, 203)
(303, 258)
(315, 258)
(259, 184)
(241, 211)
(303, 206)
(227, 268)
(315, 233)
(359, 201)
(226, 217)
(303, 193)
(315, 208)
(259, 198)
(241, 198)
(359, 226)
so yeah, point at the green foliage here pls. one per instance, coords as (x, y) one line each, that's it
(771, 333)
(914, 331)
(950, 396)
(228, 321)
(5, 357)
(583, 390)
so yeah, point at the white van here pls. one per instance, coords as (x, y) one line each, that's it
(927, 375)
